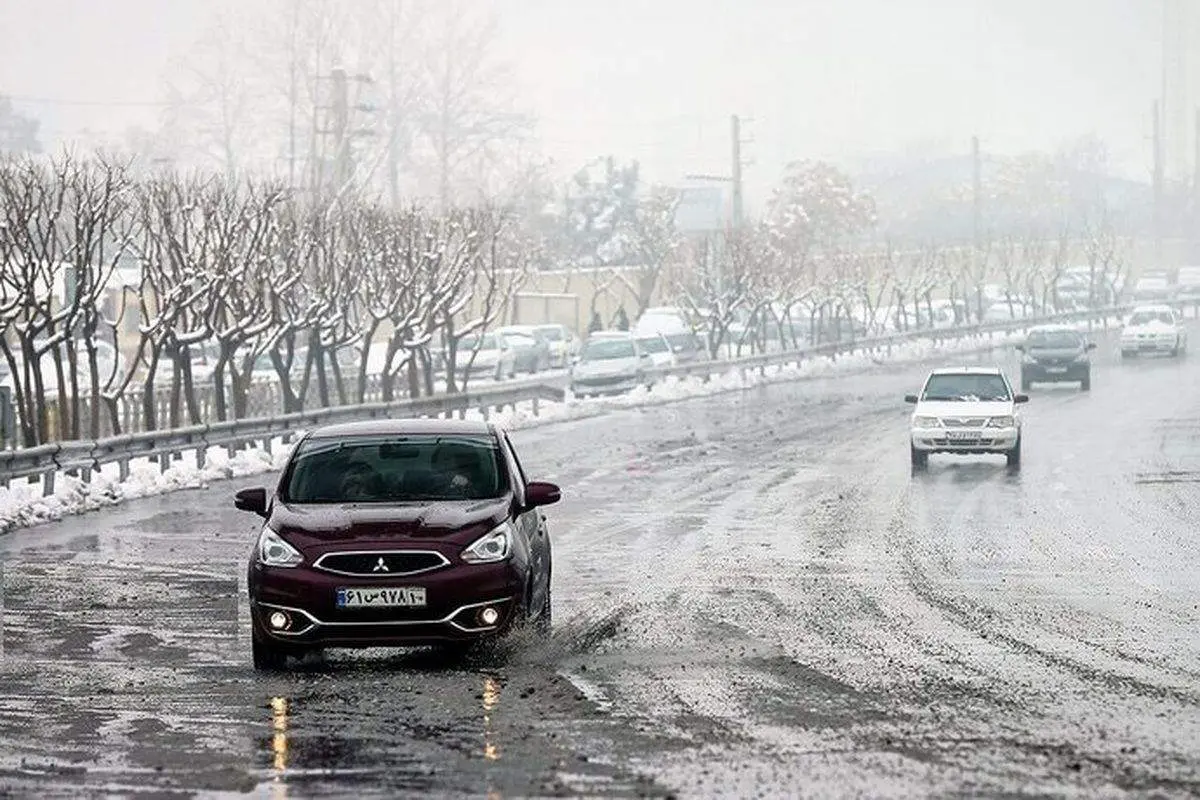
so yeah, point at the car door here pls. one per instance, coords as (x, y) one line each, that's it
(531, 526)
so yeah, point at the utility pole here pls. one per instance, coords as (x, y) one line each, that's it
(976, 194)
(339, 129)
(293, 99)
(736, 126)
(1158, 184)
(1194, 244)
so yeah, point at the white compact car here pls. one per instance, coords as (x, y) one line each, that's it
(1153, 329)
(966, 410)
(610, 363)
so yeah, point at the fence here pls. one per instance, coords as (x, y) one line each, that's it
(44, 462)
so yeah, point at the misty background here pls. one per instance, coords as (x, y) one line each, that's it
(653, 82)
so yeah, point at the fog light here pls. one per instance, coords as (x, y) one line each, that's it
(278, 620)
(489, 616)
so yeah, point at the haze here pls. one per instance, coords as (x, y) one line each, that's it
(657, 81)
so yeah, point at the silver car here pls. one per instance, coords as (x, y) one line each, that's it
(610, 363)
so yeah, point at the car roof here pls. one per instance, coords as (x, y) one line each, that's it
(967, 371)
(1154, 309)
(402, 426)
(611, 335)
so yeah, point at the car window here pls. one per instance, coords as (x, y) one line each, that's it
(520, 340)
(967, 387)
(653, 344)
(485, 342)
(604, 349)
(554, 334)
(395, 469)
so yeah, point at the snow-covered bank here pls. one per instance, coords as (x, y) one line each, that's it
(23, 504)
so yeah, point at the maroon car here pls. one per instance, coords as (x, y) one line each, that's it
(398, 533)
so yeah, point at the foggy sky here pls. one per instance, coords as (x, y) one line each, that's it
(657, 80)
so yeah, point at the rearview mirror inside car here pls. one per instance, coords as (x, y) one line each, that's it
(539, 493)
(253, 500)
(1021, 398)
(910, 398)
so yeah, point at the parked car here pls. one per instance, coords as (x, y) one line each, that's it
(1153, 329)
(1152, 287)
(397, 532)
(658, 348)
(530, 348)
(486, 354)
(965, 410)
(609, 363)
(564, 344)
(1187, 284)
(1055, 354)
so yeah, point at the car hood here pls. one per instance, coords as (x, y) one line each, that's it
(967, 408)
(608, 366)
(456, 521)
(1150, 327)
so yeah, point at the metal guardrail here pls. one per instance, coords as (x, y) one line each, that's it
(85, 457)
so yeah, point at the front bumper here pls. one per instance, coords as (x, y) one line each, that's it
(455, 596)
(1149, 344)
(609, 385)
(967, 441)
(1038, 372)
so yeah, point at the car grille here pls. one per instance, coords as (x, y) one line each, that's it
(964, 422)
(381, 563)
(609, 380)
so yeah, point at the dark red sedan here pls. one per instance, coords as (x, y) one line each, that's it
(398, 533)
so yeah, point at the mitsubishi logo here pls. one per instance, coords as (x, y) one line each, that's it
(380, 566)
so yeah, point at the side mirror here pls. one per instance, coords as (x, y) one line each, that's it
(1021, 398)
(1091, 345)
(538, 493)
(910, 398)
(252, 500)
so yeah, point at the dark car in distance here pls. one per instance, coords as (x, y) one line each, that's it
(1056, 354)
(398, 533)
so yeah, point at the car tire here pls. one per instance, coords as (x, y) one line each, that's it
(267, 656)
(1085, 384)
(919, 459)
(545, 620)
(1013, 457)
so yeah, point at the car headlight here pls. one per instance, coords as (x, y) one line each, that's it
(926, 422)
(1001, 422)
(496, 545)
(273, 551)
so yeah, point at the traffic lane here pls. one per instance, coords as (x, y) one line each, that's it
(820, 601)
(127, 653)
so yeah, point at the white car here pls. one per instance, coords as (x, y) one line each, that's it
(492, 356)
(659, 349)
(966, 410)
(564, 344)
(1153, 329)
(609, 363)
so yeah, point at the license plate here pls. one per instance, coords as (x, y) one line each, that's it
(1056, 370)
(962, 436)
(381, 597)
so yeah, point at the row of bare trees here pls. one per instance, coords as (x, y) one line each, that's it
(114, 291)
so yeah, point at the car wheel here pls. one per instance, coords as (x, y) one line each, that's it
(267, 657)
(545, 620)
(1086, 383)
(920, 459)
(1014, 456)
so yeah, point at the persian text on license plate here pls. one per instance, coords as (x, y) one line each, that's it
(381, 597)
(1056, 370)
(963, 436)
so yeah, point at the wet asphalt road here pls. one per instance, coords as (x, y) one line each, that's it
(754, 596)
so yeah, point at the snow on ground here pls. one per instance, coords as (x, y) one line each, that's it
(23, 504)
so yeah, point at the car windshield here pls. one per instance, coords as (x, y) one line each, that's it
(554, 334)
(395, 469)
(1061, 340)
(966, 387)
(519, 340)
(1146, 317)
(485, 342)
(605, 349)
(686, 341)
(653, 344)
